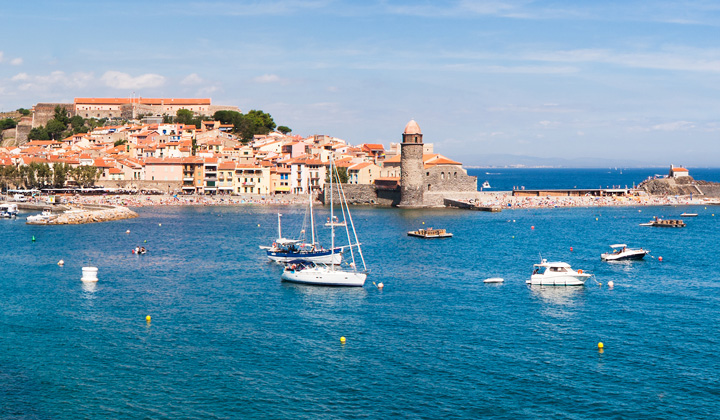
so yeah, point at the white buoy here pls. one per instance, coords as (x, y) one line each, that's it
(494, 280)
(127, 231)
(61, 263)
(89, 274)
(611, 284)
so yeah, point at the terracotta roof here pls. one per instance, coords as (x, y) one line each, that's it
(679, 170)
(226, 165)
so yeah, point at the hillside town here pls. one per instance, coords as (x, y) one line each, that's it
(148, 154)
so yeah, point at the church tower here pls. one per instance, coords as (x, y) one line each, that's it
(411, 167)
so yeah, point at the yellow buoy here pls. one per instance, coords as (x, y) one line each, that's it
(596, 218)
(342, 340)
(423, 223)
(147, 318)
(600, 345)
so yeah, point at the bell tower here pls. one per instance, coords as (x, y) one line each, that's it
(411, 167)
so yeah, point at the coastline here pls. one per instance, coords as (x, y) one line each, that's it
(502, 199)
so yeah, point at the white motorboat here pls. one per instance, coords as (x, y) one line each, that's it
(332, 275)
(689, 215)
(9, 210)
(335, 222)
(494, 280)
(622, 253)
(42, 217)
(556, 274)
(486, 184)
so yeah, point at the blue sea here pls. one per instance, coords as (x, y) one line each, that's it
(229, 340)
(507, 179)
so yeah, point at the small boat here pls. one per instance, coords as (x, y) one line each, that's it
(486, 184)
(42, 217)
(556, 274)
(689, 215)
(430, 233)
(494, 280)
(335, 222)
(622, 253)
(9, 210)
(657, 222)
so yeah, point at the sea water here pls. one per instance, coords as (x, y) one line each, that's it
(227, 339)
(507, 179)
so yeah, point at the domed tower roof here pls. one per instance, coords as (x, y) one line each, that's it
(412, 128)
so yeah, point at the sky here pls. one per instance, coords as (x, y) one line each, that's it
(608, 81)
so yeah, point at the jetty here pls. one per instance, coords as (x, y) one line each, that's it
(67, 215)
(470, 206)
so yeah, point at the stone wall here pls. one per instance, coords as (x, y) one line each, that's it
(364, 194)
(42, 113)
(411, 175)
(449, 178)
(437, 199)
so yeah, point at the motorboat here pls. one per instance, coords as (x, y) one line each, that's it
(430, 233)
(9, 210)
(308, 272)
(486, 184)
(689, 215)
(622, 253)
(331, 274)
(658, 222)
(494, 280)
(556, 274)
(42, 217)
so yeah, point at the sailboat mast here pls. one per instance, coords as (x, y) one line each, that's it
(279, 228)
(332, 213)
(312, 222)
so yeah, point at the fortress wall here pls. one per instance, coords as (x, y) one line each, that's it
(44, 112)
(449, 178)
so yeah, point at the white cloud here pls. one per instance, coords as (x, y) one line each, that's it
(53, 80)
(674, 126)
(192, 79)
(119, 80)
(16, 61)
(267, 78)
(1, 56)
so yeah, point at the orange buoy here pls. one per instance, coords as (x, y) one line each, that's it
(659, 258)
(571, 250)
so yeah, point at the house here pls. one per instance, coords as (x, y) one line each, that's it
(678, 172)
(363, 173)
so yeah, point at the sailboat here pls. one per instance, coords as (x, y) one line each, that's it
(284, 250)
(330, 275)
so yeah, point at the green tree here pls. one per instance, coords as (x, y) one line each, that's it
(86, 175)
(340, 172)
(38, 133)
(119, 142)
(77, 121)
(7, 123)
(227, 117)
(60, 174)
(55, 128)
(284, 129)
(8, 176)
(184, 116)
(24, 112)
(61, 115)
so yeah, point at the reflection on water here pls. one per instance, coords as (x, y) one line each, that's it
(559, 295)
(327, 295)
(89, 288)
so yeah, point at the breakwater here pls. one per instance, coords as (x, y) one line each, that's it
(87, 214)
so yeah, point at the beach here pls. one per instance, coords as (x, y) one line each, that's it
(504, 200)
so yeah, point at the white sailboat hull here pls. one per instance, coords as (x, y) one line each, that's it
(322, 276)
(327, 258)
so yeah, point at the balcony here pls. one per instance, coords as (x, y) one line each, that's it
(188, 178)
(210, 178)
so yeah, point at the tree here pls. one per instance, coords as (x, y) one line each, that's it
(8, 176)
(55, 128)
(341, 172)
(284, 129)
(227, 117)
(184, 116)
(24, 112)
(7, 123)
(60, 174)
(61, 115)
(77, 121)
(86, 175)
(119, 142)
(38, 133)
